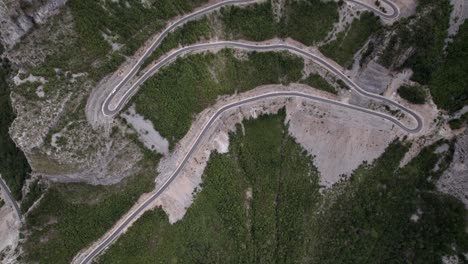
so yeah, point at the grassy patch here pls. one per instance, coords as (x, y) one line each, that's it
(449, 85)
(254, 207)
(14, 167)
(413, 94)
(70, 216)
(317, 81)
(348, 42)
(174, 95)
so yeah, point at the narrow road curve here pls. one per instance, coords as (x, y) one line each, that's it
(110, 112)
(165, 32)
(133, 71)
(231, 44)
(393, 15)
(12, 200)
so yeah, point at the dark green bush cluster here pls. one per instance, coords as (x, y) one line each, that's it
(413, 94)
(305, 21)
(449, 85)
(458, 122)
(317, 81)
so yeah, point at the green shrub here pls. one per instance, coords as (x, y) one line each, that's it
(449, 85)
(308, 21)
(413, 94)
(317, 81)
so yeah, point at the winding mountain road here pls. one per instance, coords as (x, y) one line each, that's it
(278, 47)
(113, 234)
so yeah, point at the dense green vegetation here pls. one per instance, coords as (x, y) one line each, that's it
(370, 221)
(260, 204)
(172, 97)
(255, 206)
(125, 22)
(459, 122)
(308, 21)
(431, 16)
(413, 94)
(254, 22)
(349, 41)
(14, 167)
(317, 81)
(72, 215)
(257, 22)
(449, 85)
(132, 21)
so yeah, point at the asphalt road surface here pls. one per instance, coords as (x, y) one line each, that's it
(110, 112)
(231, 44)
(12, 200)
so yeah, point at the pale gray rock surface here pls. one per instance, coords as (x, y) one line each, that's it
(18, 17)
(454, 181)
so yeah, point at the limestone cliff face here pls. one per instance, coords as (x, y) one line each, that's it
(17, 17)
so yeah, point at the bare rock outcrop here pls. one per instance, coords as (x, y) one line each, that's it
(17, 18)
(374, 78)
(454, 181)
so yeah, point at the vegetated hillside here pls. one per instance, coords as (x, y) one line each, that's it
(449, 84)
(99, 24)
(417, 42)
(260, 203)
(73, 215)
(349, 41)
(174, 95)
(14, 167)
(257, 22)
